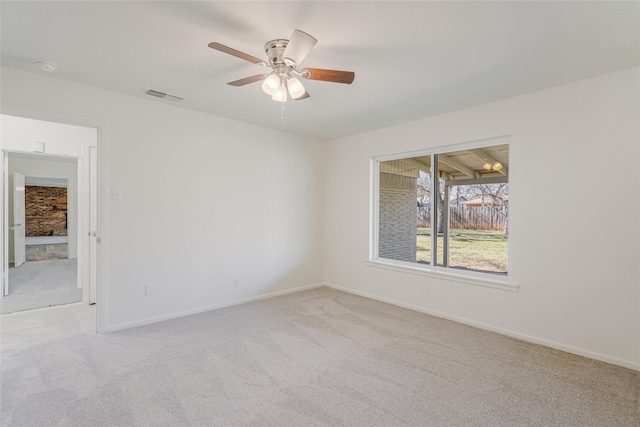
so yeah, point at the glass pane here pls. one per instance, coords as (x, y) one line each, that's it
(403, 209)
(476, 183)
(478, 208)
(423, 235)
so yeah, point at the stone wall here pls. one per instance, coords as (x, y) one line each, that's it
(398, 220)
(45, 211)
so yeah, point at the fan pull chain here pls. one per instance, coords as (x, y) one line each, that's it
(282, 112)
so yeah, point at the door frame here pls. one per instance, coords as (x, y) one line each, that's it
(19, 255)
(4, 230)
(101, 255)
(6, 154)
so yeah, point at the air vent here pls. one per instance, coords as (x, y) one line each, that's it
(158, 94)
(174, 98)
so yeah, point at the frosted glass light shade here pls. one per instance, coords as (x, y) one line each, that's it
(280, 95)
(271, 84)
(296, 90)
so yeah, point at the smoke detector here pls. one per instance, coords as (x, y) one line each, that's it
(47, 66)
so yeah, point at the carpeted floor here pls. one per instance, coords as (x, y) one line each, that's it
(315, 358)
(38, 284)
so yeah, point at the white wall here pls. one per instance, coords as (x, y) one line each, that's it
(204, 200)
(192, 185)
(574, 228)
(24, 135)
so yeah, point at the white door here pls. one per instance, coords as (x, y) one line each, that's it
(93, 222)
(18, 220)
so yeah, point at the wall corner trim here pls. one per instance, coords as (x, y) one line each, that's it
(175, 315)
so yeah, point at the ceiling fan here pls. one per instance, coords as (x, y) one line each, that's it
(284, 56)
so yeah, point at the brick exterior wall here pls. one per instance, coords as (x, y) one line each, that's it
(45, 211)
(398, 219)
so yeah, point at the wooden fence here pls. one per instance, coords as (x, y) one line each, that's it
(470, 217)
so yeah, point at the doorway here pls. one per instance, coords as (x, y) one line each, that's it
(49, 214)
(43, 232)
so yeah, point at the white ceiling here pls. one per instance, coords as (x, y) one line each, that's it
(412, 59)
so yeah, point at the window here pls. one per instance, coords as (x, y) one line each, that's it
(444, 210)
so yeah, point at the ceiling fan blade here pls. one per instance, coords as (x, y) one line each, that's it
(305, 95)
(237, 53)
(328, 75)
(248, 80)
(299, 46)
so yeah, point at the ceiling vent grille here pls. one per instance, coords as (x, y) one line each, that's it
(162, 95)
(156, 93)
(174, 98)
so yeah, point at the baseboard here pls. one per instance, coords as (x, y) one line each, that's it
(510, 333)
(231, 303)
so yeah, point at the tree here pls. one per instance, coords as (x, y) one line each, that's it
(497, 195)
(424, 199)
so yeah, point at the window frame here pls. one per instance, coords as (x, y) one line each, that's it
(489, 280)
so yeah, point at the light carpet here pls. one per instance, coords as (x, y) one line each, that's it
(314, 358)
(38, 284)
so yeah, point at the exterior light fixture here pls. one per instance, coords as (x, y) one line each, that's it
(492, 167)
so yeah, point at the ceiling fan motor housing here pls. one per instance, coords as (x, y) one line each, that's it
(275, 49)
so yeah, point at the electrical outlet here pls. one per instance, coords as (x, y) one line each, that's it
(149, 290)
(427, 290)
(236, 282)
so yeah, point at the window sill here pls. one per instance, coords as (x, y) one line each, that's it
(477, 279)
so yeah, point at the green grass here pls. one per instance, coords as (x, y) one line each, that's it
(477, 250)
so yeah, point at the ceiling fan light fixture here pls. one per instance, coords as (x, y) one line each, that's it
(271, 84)
(284, 56)
(296, 90)
(281, 94)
